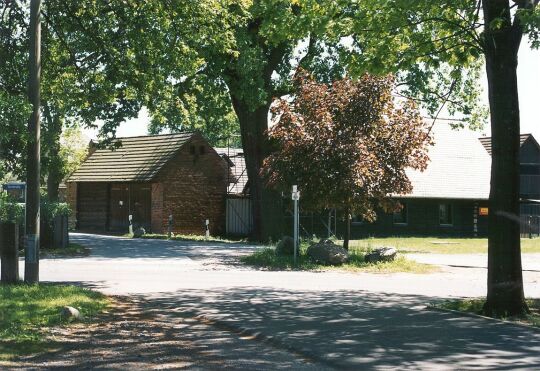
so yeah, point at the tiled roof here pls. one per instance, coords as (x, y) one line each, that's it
(139, 159)
(459, 167)
(239, 177)
(486, 141)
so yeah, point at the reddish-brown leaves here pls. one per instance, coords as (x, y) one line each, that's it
(346, 145)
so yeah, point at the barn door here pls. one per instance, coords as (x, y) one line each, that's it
(119, 208)
(140, 205)
(239, 219)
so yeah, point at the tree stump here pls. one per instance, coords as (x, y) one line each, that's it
(9, 253)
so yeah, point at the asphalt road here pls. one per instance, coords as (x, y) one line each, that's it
(341, 320)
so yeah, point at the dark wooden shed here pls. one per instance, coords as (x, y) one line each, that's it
(150, 178)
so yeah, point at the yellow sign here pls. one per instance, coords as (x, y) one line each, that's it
(483, 211)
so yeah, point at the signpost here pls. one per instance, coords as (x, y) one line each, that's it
(296, 198)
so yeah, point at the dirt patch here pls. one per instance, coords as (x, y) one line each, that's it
(138, 334)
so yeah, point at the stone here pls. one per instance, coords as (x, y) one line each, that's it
(285, 246)
(139, 232)
(70, 313)
(381, 254)
(327, 253)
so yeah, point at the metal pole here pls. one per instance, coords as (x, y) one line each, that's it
(31, 267)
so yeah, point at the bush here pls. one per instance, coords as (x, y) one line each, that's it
(12, 212)
(285, 247)
(50, 210)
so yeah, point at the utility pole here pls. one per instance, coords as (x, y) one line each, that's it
(33, 165)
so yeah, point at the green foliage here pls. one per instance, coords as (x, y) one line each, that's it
(268, 259)
(50, 210)
(10, 211)
(27, 311)
(360, 139)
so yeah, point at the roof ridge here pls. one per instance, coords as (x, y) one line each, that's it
(158, 135)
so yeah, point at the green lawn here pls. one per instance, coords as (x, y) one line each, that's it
(26, 311)
(438, 245)
(266, 258)
(475, 306)
(73, 249)
(187, 237)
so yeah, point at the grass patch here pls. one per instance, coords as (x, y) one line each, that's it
(266, 258)
(73, 249)
(437, 245)
(26, 311)
(475, 306)
(188, 237)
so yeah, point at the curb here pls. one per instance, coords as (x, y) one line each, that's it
(430, 307)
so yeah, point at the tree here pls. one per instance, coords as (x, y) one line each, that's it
(454, 33)
(502, 38)
(359, 138)
(267, 41)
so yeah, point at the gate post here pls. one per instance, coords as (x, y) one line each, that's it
(9, 252)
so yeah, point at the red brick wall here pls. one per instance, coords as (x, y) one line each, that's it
(194, 189)
(157, 208)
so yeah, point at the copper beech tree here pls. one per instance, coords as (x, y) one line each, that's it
(346, 145)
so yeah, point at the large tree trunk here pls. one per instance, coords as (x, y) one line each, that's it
(31, 266)
(266, 203)
(505, 281)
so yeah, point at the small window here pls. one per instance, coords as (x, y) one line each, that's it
(357, 220)
(445, 214)
(202, 150)
(400, 216)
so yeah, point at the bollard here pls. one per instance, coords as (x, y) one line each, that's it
(169, 233)
(9, 252)
(207, 225)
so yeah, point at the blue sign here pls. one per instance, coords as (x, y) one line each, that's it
(14, 186)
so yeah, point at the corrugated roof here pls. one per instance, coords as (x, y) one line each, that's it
(459, 167)
(237, 185)
(139, 159)
(486, 141)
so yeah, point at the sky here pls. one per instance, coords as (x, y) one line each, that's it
(528, 85)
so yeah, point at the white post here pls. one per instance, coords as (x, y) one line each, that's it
(130, 217)
(207, 223)
(295, 197)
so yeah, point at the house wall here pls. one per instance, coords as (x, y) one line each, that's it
(194, 188)
(423, 220)
(92, 206)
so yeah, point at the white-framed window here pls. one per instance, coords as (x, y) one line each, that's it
(401, 216)
(446, 214)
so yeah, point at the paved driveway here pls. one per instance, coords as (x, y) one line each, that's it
(342, 320)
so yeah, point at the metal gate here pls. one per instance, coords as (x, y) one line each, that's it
(530, 220)
(239, 220)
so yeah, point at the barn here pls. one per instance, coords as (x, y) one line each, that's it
(149, 179)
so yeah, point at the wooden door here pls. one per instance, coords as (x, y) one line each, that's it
(119, 207)
(92, 206)
(140, 205)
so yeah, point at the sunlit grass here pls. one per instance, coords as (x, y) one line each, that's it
(188, 237)
(437, 245)
(26, 311)
(266, 258)
(475, 305)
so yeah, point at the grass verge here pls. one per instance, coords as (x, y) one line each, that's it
(438, 245)
(73, 249)
(266, 258)
(27, 311)
(188, 237)
(475, 306)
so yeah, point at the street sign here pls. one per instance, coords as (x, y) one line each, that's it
(14, 186)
